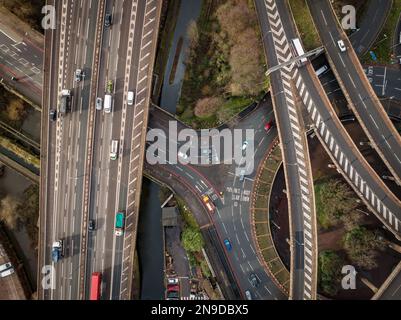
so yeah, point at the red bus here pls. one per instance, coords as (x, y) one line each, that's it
(95, 286)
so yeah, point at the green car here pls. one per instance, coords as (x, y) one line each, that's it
(119, 227)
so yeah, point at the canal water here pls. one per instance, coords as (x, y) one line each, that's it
(150, 230)
(189, 11)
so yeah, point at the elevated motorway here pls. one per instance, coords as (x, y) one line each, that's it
(87, 184)
(356, 87)
(339, 145)
(298, 173)
(64, 148)
(127, 59)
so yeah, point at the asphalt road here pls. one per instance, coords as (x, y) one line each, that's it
(231, 220)
(369, 27)
(127, 60)
(343, 152)
(67, 144)
(21, 59)
(357, 89)
(299, 180)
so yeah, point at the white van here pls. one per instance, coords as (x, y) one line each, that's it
(130, 98)
(7, 273)
(5, 266)
(107, 103)
(114, 150)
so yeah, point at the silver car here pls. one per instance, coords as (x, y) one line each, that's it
(99, 103)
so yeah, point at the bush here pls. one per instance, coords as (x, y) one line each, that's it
(362, 246)
(334, 200)
(192, 240)
(330, 265)
(206, 107)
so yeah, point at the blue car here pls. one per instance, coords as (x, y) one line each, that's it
(227, 244)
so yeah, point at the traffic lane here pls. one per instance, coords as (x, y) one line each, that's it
(103, 202)
(74, 135)
(287, 141)
(234, 222)
(122, 130)
(51, 40)
(372, 23)
(376, 124)
(393, 292)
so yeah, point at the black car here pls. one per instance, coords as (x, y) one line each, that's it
(53, 115)
(91, 225)
(254, 280)
(107, 20)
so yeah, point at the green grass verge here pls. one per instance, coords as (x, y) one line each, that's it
(383, 46)
(305, 25)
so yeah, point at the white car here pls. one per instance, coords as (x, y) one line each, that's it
(183, 155)
(341, 45)
(172, 280)
(244, 145)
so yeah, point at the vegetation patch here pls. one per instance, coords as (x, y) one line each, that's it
(225, 69)
(330, 265)
(383, 48)
(30, 11)
(306, 28)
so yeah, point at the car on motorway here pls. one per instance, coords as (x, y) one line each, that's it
(173, 287)
(182, 155)
(6, 273)
(248, 295)
(114, 150)
(99, 103)
(208, 203)
(130, 98)
(242, 175)
(119, 226)
(269, 125)
(227, 243)
(107, 20)
(341, 45)
(57, 250)
(5, 266)
(91, 225)
(254, 280)
(173, 295)
(53, 114)
(244, 145)
(78, 75)
(172, 281)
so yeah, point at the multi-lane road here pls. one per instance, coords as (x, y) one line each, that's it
(356, 87)
(82, 182)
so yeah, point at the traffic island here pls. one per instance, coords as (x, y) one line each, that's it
(260, 218)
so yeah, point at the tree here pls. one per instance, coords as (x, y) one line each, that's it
(334, 199)
(362, 246)
(330, 265)
(16, 110)
(8, 211)
(208, 106)
(192, 240)
(234, 16)
(193, 34)
(247, 75)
